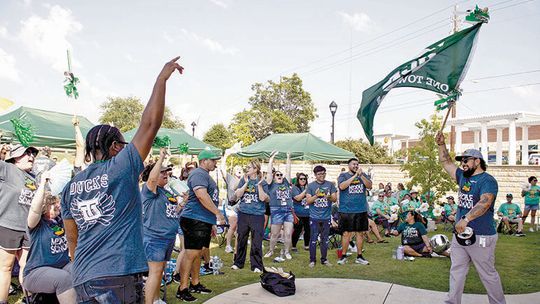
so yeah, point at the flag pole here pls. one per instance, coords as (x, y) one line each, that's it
(452, 104)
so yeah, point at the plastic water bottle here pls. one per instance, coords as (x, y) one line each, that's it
(400, 254)
(394, 253)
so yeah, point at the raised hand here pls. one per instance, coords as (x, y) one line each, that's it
(169, 68)
(439, 138)
(273, 154)
(163, 153)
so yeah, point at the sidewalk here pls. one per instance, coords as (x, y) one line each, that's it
(327, 290)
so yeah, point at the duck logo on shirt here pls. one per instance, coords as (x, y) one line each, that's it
(88, 213)
(321, 201)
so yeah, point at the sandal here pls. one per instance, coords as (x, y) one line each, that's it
(370, 241)
(382, 242)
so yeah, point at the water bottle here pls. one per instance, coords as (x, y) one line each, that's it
(394, 253)
(400, 253)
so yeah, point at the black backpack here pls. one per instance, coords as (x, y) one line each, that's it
(277, 284)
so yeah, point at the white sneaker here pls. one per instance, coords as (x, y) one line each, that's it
(326, 263)
(229, 249)
(269, 254)
(279, 259)
(288, 256)
(257, 270)
(311, 264)
(353, 249)
(362, 261)
(342, 261)
(531, 229)
(234, 267)
(159, 301)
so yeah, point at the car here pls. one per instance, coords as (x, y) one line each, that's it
(534, 159)
(492, 159)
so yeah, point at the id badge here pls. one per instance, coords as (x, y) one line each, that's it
(483, 242)
(283, 203)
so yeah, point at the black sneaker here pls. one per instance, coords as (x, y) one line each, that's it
(519, 234)
(185, 295)
(199, 288)
(176, 278)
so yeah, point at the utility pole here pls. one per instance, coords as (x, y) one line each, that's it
(453, 113)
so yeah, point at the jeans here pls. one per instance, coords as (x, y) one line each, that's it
(111, 290)
(321, 227)
(303, 223)
(254, 224)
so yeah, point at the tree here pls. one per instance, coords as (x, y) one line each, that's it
(255, 124)
(219, 136)
(125, 113)
(366, 153)
(423, 165)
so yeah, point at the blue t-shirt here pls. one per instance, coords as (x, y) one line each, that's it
(470, 190)
(301, 208)
(280, 194)
(200, 178)
(411, 234)
(48, 245)
(249, 202)
(160, 215)
(321, 209)
(353, 199)
(105, 202)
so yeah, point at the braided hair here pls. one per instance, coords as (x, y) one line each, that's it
(100, 138)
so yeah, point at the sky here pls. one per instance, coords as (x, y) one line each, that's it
(338, 48)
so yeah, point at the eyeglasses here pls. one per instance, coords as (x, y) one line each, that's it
(381, 195)
(321, 173)
(466, 159)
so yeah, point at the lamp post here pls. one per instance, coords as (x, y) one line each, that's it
(333, 109)
(193, 125)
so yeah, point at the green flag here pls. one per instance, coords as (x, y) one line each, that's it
(440, 68)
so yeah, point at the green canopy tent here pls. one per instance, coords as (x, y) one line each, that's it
(53, 129)
(178, 137)
(303, 146)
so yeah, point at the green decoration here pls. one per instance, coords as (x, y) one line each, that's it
(23, 131)
(70, 83)
(183, 148)
(162, 142)
(478, 15)
(445, 102)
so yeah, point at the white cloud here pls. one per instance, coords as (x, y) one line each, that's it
(220, 3)
(7, 67)
(358, 21)
(47, 38)
(210, 44)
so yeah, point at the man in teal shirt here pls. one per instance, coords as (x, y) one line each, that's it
(510, 213)
(532, 200)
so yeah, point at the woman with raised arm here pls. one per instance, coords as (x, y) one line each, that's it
(102, 208)
(279, 192)
(48, 269)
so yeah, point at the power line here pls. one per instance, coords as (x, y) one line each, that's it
(505, 75)
(512, 5)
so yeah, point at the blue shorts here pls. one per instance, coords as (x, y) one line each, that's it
(279, 215)
(531, 207)
(158, 250)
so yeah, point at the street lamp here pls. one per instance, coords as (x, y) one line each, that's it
(193, 125)
(333, 109)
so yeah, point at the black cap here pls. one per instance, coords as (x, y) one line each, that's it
(467, 238)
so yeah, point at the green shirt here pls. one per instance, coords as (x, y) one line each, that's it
(532, 197)
(449, 209)
(510, 210)
(382, 206)
(391, 201)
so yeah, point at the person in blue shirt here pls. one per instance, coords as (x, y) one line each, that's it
(301, 209)
(353, 208)
(160, 223)
(250, 218)
(320, 196)
(48, 269)
(102, 208)
(197, 219)
(281, 206)
(476, 198)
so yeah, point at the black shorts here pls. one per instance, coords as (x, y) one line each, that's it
(267, 210)
(353, 222)
(197, 234)
(13, 239)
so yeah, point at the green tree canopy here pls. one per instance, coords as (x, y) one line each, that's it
(366, 153)
(219, 136)
(125, 113)
(423, 164)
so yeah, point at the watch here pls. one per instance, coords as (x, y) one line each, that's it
(465, 218)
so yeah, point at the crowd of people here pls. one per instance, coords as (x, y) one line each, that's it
(109, 236)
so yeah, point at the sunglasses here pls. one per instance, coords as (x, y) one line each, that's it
(302, 178)
(279, 174)
(466, 159)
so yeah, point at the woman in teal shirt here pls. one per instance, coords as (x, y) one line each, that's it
(532, 200)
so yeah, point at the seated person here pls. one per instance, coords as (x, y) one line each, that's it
(510, 213)
(414, 236)
(48, 269)
(450, 209)
(381, 214)
(390, 199)
(373, 228)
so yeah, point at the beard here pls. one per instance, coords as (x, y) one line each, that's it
(469, 172)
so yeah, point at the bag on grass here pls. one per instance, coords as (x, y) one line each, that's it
(278, 284)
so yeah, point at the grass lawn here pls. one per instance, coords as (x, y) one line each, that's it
(516, 262)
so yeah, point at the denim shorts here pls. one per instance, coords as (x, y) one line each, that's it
(279, 215)
(531, 207)
(158, 250)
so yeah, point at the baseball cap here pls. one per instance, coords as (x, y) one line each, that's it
(470, 153)
(467, 237)
(165, 168)
(208, 154)
(18, 150)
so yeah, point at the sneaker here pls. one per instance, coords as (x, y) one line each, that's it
(326, 263)
(531, 229)
(361, 260)
(311, 264)
(229, 249)
(342, 261)
(204, 271)
(294, 249)
(159, 301)
(279, 259)
(269, 254)
(409, 258)
(306, 247)
(288, 256)
(234, 267)
(257, 270)
(520, 234)
(199, 288)
(185, 295)
(176, 278)
(353, 249)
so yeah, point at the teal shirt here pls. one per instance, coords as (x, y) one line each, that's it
(382, 206)
(449, 209)
(532, 197)
(391, 201)
(510, 210)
